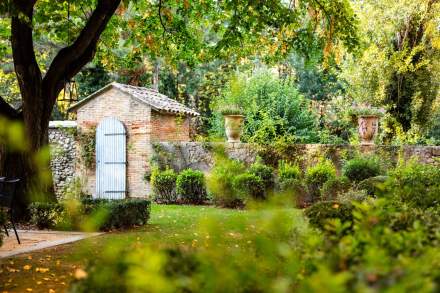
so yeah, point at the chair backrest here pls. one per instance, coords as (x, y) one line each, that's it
(7, 191)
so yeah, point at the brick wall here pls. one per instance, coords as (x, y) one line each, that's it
(135, 116)
(166, 127)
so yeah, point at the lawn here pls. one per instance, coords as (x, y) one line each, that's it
(169, 226)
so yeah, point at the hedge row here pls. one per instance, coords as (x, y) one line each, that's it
(104, 214)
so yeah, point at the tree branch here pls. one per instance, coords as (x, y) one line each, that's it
(69, 60)
(7, 110)
(25, 63)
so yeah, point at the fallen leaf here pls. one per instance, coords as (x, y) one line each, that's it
(51, 291)
(29, 289)
(42, 270)
(27, 267)
(80, 274)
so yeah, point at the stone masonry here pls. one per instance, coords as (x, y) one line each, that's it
(63, 155)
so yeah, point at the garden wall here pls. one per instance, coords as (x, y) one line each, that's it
(63, 155)
(201, 155)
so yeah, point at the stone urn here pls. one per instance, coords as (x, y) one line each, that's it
(368, 128)
(233, 127)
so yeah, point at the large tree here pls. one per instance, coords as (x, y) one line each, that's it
(159, 26)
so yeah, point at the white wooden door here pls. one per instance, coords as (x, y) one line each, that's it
(111, 159)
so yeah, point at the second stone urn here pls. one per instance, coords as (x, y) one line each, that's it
(368, 128)
(233, 127)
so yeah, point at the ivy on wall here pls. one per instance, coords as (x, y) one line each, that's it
(87, 144)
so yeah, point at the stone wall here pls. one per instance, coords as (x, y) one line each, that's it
(200, 156)
(63, 155)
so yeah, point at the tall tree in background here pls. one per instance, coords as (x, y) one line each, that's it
(400, 66)
(166, 26)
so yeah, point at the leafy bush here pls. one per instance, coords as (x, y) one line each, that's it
(190, 186)
(120, 214)
(109, 214)
(287, 171)
(320, 212)
(361, 168)
(373, 185)
(317, 175)
(164, 185)
(220, 182)
(273, 108)
(415, 183)
(265, 173)
(249, 186)
(46, 215)
(334, 186)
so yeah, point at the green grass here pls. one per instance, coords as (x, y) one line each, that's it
(169, 226)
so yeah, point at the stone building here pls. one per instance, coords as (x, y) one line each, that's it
(127, 120)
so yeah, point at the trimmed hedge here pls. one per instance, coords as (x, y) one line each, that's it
(362, 168)
(264, 172)
(164, 185)
(190, 186)
(249, 185)
(112, 214)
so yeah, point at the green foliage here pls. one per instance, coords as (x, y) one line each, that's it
(415, 183)
(316, 176)
(119, 214)
(333, 187)
(87, 143)
(109, 214)
(91, 79)
(399, 66)
(249, 185)
(363, 167)
(264, 172)
(321, 212)
(46, 215)
(289, 175)
(273, 108)
(220, 182)
(191, 187)
(164, 185)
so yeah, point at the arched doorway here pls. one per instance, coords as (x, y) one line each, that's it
(111, 162)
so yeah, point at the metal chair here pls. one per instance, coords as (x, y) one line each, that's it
(7, 192)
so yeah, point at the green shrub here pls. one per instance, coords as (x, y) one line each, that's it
(118, 214)
(289, 177)
(264, 172)
(361, 168)
(352, 194)
(320, 212)
(190, 186)
(121, 214)
(416, 184)
(318, 175)
(46, 215)
(373, 185)
(287, 171)
(220, 182)
(164, 185)
(249, 186)
(333, 187)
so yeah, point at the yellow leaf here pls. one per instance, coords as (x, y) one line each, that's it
(29, 289)
(27, 267)
(80, 274)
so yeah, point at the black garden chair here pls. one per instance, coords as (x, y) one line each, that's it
(7, 193)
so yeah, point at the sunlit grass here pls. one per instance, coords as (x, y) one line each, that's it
(170, 226)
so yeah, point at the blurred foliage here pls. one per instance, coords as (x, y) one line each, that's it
(366, 245)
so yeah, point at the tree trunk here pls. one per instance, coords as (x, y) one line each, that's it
(39, 95)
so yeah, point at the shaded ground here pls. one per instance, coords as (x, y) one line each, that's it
(51, 270)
